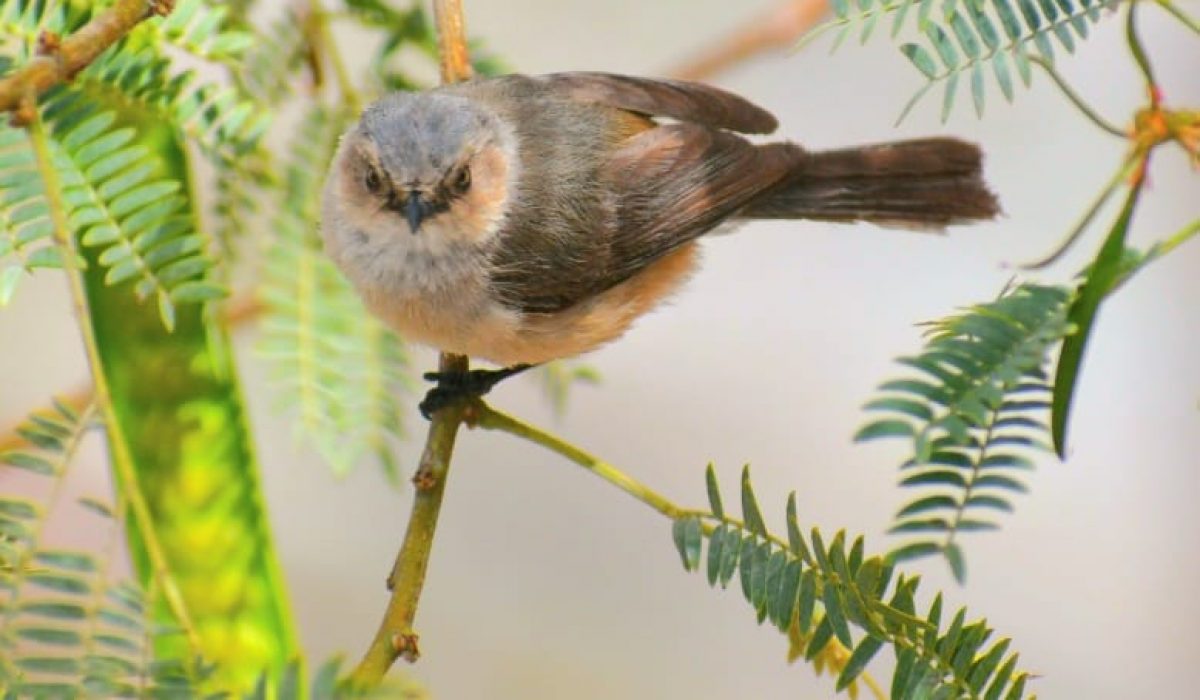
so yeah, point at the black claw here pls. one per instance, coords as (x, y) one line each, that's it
(453, 387)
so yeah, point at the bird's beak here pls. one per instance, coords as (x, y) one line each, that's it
(414, 211)
(414, 207)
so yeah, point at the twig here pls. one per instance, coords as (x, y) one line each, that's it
(1139, 55)
(452, 41)
(323, 38)
(1075, 99)
(395, 637)
(488, 418)
(1122, 175)
(484, 416)
(778, 28)
(61, 59)
(1180, 15)
(122, 459)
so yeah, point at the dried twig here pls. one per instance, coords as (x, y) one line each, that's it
(779, 28)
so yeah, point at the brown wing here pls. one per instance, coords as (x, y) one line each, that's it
(685, 101)
(677, 182)
(664, 187)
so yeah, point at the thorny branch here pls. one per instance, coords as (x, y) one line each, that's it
(395, 637)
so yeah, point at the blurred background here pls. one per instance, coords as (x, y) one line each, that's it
(546, 583)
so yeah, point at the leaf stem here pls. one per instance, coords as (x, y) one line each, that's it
(1128, 167)
(119, 449)
(488, 418)
(1187, 20)
(1139, 55)
(1077, 100)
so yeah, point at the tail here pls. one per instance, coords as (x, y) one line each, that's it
(922, 184)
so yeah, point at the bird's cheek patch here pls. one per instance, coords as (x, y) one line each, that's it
(478, 215)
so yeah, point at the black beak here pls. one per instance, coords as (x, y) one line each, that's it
(414, 211)
(414, 207)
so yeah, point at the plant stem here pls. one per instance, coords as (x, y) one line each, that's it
(1188, 20)
(1128, 167)
(452, 41)
(395, 637)
(780, 27)
(486, 417)
(328, 48)
(1075, 99)
(1139, 54)
(119, 448)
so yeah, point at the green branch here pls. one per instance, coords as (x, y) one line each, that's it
(1075, 99)
(488, 418)
(395, 637)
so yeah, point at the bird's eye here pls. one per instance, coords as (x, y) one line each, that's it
(462, 181)
(372, 181)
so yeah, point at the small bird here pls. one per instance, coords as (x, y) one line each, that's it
(522, 219)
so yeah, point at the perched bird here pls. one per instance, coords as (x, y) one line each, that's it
(522, 219)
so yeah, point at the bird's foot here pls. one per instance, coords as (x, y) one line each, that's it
(453, 387)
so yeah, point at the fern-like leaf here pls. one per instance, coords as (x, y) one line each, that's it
(973, 415)
(339, 367)
(222, 120)
(201, 29)
(117, 200)
(819, 594)
(977, 37)
(26, 231)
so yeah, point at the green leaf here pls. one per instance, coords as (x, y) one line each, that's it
(789, 595)
(324, 685)
(808, 600)
(859, 658)
(688, 536)
(77, 562)
(921, 59)
(835, 615)
(958, 566)
(750, 510)
(819, 639)
(9, 277)
(1082, 314)
(729, 557)
(936, 478)
(1001, 679)
(716, 547)
(714, 492)
(884, 428)
(54, 610)
(59, 583)
(50, 636)
(924, 505)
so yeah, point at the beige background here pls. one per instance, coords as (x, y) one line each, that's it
(549, 584)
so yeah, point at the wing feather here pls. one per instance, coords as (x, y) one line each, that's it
(685, 101)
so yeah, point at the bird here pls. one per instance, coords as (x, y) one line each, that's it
(521, 219)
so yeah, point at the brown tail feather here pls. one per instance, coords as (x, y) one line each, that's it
(925, 183)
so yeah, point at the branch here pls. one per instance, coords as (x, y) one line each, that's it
(59, 60)
(488, 418)
(395, 637)
(778, 28)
